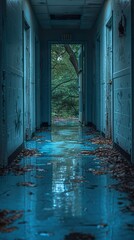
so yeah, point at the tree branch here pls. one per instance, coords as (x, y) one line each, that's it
(70, 80)
(72, 57)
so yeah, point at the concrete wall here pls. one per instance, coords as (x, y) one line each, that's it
(14, 76)
(121, 76)
(58, 36)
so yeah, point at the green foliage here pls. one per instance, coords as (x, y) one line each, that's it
(65, 98)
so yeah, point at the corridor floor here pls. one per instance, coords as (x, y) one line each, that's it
(56, 191)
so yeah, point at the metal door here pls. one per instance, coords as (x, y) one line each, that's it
(109, 79)
(27, 122)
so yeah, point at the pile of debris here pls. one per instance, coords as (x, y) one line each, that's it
(114, 163)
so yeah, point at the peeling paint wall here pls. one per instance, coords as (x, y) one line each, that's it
(122, 79)
(99, 62)
(14, 75)
(121, 75)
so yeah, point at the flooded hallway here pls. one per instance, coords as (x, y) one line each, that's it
(60, 188)
(71, 177)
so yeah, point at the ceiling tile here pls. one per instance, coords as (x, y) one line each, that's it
(43, 16)
(94, 1)
(40, 9)
(38, 2)
(63, 10)
(65, 2)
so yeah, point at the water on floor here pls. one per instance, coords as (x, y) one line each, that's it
(58, 195)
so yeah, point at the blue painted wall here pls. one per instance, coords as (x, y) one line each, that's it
(13, 134)
(122, 80)
(121, 75)
(14, 75)
(2, 84)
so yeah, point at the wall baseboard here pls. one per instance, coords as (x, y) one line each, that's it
(122, 151)
(44, 124)
(15, 153)
(90, 124)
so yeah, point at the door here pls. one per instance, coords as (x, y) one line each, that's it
(27, 122)
(109, 79)
(80, 66)
(37, 82)
(98, 86)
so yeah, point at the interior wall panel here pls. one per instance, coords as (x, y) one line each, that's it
(121, 72)
(14, 60)
(122, 78)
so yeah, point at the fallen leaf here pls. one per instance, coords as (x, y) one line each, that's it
(85, 152)
(8, 217)
(39, 176)
(27, 184)
(8, 230)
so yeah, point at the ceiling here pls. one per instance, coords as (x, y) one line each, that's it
(76, 14)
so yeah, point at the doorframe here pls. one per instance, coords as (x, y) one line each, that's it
(110, 133)
(26, 27)
(83, 43)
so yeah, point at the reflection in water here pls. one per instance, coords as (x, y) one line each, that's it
(68, 198)
(66, 194)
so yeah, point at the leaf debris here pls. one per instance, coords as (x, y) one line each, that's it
(8, 217)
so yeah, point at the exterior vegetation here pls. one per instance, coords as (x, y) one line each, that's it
(64, 80)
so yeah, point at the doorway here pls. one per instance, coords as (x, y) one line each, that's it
(109, 71)
(66, 81)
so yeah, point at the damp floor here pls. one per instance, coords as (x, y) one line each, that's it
(64, 197)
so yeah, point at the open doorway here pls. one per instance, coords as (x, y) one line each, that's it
(66, 82)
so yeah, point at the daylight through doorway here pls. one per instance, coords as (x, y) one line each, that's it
(64, 81)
